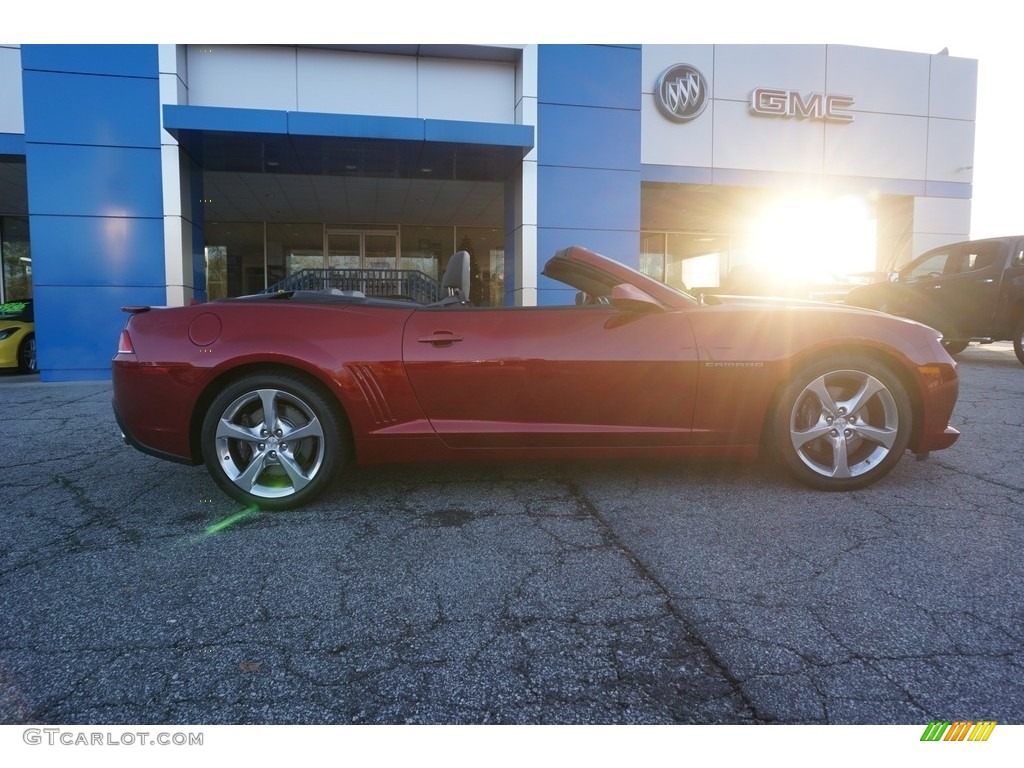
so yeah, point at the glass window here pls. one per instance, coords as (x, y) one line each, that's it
(17, 258)
(292, 248)
(486, 249)
(695, 261)
(426, 248)
(981, 257)
(652, 254)
(682, 260)
(234, 258)
(933, 266)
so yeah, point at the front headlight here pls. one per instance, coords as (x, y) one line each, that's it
(6, 333)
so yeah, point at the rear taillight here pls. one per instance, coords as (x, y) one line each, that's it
(124, 344)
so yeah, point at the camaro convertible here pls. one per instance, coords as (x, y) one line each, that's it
(275, 393)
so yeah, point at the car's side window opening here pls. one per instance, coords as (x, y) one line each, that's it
(979, 258)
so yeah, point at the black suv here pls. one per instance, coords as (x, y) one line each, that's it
(970, 291)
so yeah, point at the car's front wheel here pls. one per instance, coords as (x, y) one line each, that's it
(842, 423)
(27, 354)
(273, 440)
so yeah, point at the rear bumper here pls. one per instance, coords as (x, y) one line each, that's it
(153, 408)
(129, 439)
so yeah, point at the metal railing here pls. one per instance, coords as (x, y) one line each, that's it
(390, 283)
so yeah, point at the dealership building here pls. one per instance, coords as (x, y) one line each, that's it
(166, 174)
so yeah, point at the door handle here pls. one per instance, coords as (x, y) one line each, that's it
(440, 339)
(987, 280)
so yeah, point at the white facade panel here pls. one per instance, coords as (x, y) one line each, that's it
(348, 83)
(474, 91)
(944, 216)
(742, 141)
(12, 116)
(953, 89)
(310, 79)
(739, 69)
(878, 146)
(242, 76)
(950, 150)
(664, 142)
(894, 82)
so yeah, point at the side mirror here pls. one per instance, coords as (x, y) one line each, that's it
(894, 277)
(629, 297)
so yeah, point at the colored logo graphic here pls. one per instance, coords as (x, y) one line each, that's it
(959, 730)
(681, 93)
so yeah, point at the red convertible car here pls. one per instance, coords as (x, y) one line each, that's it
(276, 392)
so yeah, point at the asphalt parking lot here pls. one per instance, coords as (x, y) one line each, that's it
(133, 591)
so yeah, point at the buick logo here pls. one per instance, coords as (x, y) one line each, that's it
(681, 93)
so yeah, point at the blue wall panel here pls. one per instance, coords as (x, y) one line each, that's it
(225, 119)
(93, 250)
(589, 138)
(590, 75)
(87, 109)
(588, 146)
(92, 159)
(80, 180)
(78, 341)
(119, 60)
(12, 144)
(588, 198)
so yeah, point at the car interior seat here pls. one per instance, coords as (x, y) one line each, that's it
(455, 282)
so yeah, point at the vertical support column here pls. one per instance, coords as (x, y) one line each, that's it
(521, 197)
(185, 267)
(92, 149)
(588, 150)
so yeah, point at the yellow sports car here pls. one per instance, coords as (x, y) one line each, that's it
(18, 336)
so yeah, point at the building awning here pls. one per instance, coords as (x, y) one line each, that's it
(273, 141)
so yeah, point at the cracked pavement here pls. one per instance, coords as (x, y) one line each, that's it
(535, 593)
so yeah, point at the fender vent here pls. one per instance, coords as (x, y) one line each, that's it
(374, 395)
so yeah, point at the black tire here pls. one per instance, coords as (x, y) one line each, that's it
(254, 461)
(27, 362)
(954, 347)
(842, 423)
(1018, 340)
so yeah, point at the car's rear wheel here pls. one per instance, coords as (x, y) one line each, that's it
(1018, 340)
(842, 423)
(273, 440)
(27, 354)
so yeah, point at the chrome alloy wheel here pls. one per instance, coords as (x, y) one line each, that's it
(269, 443)
(844, 424)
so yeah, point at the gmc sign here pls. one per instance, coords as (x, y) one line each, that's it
(777, 102)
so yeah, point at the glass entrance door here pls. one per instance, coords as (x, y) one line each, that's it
(344, 250)
(361, 250)
(380, 251)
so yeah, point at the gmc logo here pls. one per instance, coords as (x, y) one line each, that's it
(776, 102)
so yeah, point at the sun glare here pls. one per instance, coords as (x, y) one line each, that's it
(798, 237)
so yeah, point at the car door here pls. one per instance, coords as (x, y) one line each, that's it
(574, 376)
(957, 294)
